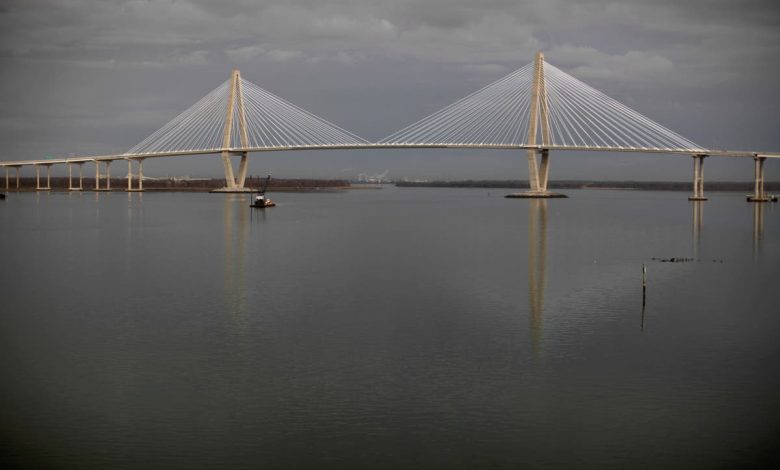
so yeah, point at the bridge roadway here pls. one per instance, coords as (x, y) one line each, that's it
(698, 155)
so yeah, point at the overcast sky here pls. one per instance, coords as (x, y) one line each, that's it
(96, 77)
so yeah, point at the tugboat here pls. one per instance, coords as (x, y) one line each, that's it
(261, 202)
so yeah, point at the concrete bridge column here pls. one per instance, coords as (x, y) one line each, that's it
(70, 177)
(759, 195)
(18, 180)
(130, 175)
(107, 176)
(698, 178)
(38, 186)
(140, 174)
(7, 183)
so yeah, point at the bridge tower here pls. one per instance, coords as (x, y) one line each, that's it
(235, 112)
(538, 172)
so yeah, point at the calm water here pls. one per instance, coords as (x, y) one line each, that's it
(393, 328)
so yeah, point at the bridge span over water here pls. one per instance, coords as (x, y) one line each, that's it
(537, 108)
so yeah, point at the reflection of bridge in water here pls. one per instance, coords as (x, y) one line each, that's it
(537, 109)
(697, 221)
(537, 257)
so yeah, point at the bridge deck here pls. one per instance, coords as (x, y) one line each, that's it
(134, 156)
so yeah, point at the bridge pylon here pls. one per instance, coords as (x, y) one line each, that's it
(235, 117)
(539, 120)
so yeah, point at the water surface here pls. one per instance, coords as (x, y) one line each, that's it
(392, 328)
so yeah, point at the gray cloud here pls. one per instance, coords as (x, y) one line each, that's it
(120, 69)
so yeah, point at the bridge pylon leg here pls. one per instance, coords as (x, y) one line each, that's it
(233, 183)
(544, 170)
(242, 169)
(533, 171)
(230, 179)
(538, 177)
(698, 178)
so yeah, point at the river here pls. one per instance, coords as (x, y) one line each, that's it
(392, 328)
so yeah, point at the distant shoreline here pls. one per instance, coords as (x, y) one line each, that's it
(744, 186)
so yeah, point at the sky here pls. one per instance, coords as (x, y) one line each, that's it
(88, 77)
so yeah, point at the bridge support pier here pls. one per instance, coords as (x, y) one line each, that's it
(233, 183)
(140, 175)
(759, 195)
(698, 178)
(38, 186)
(7, 182)
(107, 176)
(81, 177)
(538, 176)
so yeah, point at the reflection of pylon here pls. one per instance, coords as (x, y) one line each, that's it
(235, 106)
(537, 260)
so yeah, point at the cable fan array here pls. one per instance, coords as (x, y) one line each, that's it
(579, 117)
(198, 128)
(270, 123)
(498, 115)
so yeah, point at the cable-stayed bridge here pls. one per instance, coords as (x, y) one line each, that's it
(537, 108)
